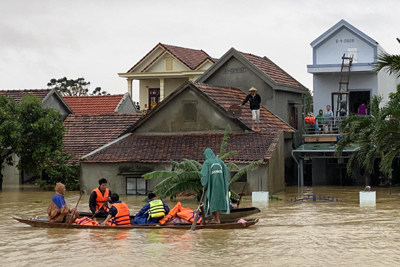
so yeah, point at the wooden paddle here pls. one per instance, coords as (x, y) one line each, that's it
(240, 197)
(76, 208)
(193, 227)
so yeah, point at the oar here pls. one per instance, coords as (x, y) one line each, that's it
(193, 227)
(76, 207)
(240, 197)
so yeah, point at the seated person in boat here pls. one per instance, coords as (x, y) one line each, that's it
(233, 202)
(99, 198)
(152, 212)
(57, 210)
(118, 214)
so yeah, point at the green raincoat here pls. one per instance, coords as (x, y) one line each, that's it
(214, 178)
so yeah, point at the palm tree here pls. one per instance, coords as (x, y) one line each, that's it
(185, 175)
(360, 131)
(391, 63)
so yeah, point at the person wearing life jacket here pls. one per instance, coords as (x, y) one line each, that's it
(152, 212)
(118, 214)
(98, 199)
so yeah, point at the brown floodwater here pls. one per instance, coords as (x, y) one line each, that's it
(320, 233)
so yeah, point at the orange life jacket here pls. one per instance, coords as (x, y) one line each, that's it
(86, 221)
(122, 216)
(310, 120)
(181, 212)
(188, 215)
(101, 200)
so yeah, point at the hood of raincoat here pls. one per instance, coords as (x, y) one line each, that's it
(208, 153)
(60, 188)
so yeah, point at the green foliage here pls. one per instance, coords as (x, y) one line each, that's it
(377, 136)
(41, 134)
(35, 135)
(389, 63)
(60, 170)
(70, 87)
(308, 102)
(185, 175)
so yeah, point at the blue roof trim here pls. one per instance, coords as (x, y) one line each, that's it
(338, 26)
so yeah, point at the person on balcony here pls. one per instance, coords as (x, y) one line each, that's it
(328, 118)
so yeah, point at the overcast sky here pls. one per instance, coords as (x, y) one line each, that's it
(96, 39)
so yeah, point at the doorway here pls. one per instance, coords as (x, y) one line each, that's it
(357, 98)
(154, 97)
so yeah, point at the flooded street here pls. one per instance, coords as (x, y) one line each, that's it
(289, 233)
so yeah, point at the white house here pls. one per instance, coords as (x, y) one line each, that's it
(328, 49)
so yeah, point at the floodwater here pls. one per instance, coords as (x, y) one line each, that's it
(307, 233)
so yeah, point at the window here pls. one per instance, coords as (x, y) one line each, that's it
(190, 111)
(293, 116)
(136, 186)
(352, 52)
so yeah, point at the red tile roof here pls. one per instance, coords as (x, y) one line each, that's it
(147, 148)
(272, 70)
(18, 94)
(227, 96)
(93, 105)
(192, 58)
(86, 133)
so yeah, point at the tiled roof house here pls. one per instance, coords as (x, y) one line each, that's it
(189, 120)
(163, 69)
(102, 104)
(280, 92)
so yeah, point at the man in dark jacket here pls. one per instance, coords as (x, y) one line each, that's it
(152, 212)
(255, 101)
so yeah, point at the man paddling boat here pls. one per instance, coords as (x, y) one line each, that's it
(57, 210)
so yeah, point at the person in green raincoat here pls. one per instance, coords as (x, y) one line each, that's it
(214, 178)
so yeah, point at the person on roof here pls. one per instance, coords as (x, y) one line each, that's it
(255, 101)
(57, 210)
(152, 212)
(118, 214)
(98, 199)
(214, 178)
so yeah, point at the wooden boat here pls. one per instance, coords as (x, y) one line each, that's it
(235, 214)
(41, 222)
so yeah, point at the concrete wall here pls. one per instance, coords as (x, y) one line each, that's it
(276, 168)
(127, 106)
(327, 83)
(92, 172)
(55, 103)
(332, 50)
(171, 118)
(11, 175)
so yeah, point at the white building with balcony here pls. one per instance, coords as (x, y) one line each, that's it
(328, 49)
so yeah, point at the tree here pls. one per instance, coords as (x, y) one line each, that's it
(388, 62)
(9, 132)
(70, 87)
(308, 103)
(185, 175)
(40, 135)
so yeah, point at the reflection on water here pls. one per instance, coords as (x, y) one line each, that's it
(289, 233)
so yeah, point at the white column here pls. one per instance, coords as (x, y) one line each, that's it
(129, 86)
(161, 89)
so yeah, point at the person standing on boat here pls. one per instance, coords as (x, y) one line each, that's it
(57, 210)
(214, 178)
(118, 213)
(152, 212)
(98, 199)
(255, 101)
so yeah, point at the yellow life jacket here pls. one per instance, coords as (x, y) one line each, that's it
(156, 209)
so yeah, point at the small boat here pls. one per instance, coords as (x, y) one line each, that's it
(235, 214)
(44, 222)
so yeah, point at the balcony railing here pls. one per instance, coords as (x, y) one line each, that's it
(324, 126)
